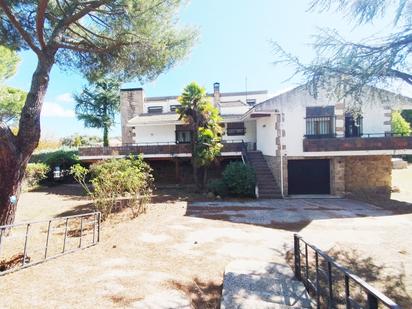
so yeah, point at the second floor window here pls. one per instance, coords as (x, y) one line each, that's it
(174, 107)
(235, 128)
(353, 125)
(155, 109)
(320, 122)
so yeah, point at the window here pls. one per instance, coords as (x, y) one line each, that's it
(251, 102)
(155, 109)
(235, 128)
(174, 107)
(183, 137)
(183, 134)
(320, 121)
(353, 125)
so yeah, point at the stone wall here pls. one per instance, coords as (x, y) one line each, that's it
(368, 174)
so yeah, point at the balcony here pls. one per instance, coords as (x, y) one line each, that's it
(383, 141)
(151, 150)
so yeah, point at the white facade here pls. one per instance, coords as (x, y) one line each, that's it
(277, 125)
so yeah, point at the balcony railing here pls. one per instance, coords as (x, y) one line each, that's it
(151, 149)
(368, 141)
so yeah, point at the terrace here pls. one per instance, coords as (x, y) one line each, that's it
(153, 150)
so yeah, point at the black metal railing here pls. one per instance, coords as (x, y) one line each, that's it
(31, 243)
(333, 285)
(320, 127)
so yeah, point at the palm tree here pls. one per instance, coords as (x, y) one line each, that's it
(98, 104)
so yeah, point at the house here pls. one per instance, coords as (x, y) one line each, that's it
(296, 143)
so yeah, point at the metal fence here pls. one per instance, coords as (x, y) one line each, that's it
(333, 285)
(27, 244)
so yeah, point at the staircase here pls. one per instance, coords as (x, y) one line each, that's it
(266, 183)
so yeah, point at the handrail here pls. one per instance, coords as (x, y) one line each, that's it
(373, 295)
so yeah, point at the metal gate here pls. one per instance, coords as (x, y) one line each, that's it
(311, 176)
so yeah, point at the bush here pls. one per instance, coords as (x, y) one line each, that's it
(240, 179)
(129, 178)
(63, 158)
(35, 172)
(218, 187)
(400, 125)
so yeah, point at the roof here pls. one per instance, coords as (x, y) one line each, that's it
(237, 103)
(222, 94)
(154, 119)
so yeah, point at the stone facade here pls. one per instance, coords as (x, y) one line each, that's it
(337, 176)
(131, 105)
(368, 174)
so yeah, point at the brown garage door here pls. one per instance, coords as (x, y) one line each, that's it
(309, 176)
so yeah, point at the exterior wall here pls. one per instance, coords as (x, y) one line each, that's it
(368, 174)
(376, 116)
(165, 104)
(249, 137)
(155, 134)
(266, 135)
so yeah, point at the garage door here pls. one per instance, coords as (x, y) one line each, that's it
(308, 177)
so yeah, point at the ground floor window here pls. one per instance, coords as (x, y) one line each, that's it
(235, 128)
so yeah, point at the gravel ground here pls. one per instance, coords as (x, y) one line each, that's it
(175, 254)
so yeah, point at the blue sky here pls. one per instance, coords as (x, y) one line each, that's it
(234, 44)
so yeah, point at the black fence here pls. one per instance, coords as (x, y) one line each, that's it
(27, 244)
(332, 285)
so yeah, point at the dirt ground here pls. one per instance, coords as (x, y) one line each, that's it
(175, 254)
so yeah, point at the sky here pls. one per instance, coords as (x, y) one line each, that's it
(234, 46)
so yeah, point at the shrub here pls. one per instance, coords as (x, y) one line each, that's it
(218, 187)
(35, 172)
(240, 179)
(129, 178)
(65, 159)
(399, 124)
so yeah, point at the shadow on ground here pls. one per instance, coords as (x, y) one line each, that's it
(291, 214)
(69, 191)
(202, 294)
(377, 275)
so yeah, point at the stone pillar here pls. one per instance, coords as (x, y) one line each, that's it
(131, 105)
(340, 119)
(337, 176)
(387, 124)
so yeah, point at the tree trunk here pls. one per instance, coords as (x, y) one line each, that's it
(15, 151)
(105, 136)
(205, 175)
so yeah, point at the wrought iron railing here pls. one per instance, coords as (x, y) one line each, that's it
(27, 244)
(325, 277)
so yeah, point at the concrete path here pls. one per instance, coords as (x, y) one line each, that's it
(254, 284)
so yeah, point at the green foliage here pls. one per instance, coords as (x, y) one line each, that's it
(76, 141)
(204, 120)
(238, 180)
(399, 124)
(407, 115)
(11, 103)
(98, 104)
(63, 158)
(347, 69)
(8, 63)
(11, 99)
(114, 179)
(35, 172)
(218, 187)
(126, 38)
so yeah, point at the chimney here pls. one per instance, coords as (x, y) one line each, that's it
(216, 93)
(131, 105)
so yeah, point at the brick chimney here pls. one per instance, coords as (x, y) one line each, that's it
(131, 105)
(216, 93)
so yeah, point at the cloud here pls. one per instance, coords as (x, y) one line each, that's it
(65, 98)
(51, 109)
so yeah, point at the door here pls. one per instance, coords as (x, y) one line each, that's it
(309, 176)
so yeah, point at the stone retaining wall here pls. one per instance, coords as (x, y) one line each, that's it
(368, 174)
